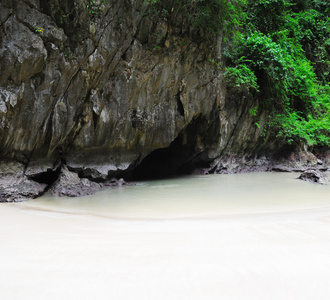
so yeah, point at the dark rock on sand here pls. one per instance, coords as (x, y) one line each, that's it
(316, 176)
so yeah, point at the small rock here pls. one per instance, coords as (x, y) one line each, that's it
(114, 182)
(314, 176)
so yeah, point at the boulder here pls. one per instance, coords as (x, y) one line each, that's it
(71, 185)
(15, 186)
(316, 176)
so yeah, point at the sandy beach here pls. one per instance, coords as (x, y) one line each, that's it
(275, 254)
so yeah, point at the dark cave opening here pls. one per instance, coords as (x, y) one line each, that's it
(48, 177)
(182, 157)
(162, 163)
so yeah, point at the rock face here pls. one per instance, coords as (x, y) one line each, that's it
(109, 89)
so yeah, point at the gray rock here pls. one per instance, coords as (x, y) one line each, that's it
(69, 184)
(15, 186)
(316, 176)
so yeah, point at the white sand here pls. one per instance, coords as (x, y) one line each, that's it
(278, 254)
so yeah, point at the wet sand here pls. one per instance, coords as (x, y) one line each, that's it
(254, 250)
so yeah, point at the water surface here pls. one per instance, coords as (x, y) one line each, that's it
(195, 197)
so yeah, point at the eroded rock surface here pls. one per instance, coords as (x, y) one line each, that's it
(98, 89)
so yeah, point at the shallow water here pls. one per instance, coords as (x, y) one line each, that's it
(242, 236)
(195, 197)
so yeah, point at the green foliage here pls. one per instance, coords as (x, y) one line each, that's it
(283, 54)
(253, 111)
(39, 29)
(241, 76)
(267, 15)
(311, 29)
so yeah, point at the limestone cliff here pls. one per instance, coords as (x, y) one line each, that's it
(108, 89)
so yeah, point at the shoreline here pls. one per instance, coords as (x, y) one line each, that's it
(16, 186)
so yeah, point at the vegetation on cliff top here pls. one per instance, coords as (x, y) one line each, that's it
(283, 52)
(280, 54)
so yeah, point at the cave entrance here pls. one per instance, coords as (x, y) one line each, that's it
(48, 177)
(181, 157)
(163, 163)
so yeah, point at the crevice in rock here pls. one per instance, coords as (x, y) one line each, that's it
(95, 119)
(179, 105)
(10, 14)
(38, 79)
(88, 173)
